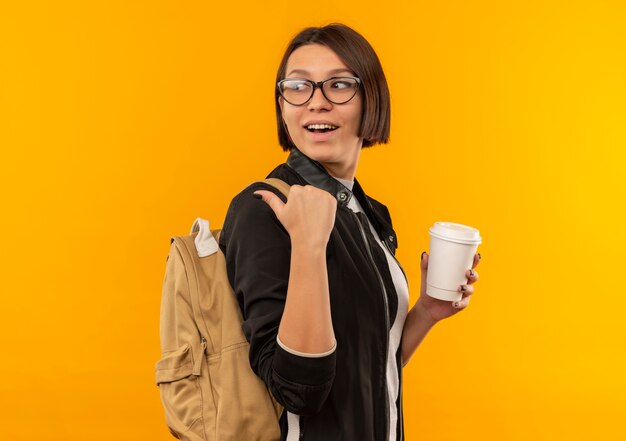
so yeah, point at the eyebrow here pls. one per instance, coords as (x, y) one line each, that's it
(306, 72)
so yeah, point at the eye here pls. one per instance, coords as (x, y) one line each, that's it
(296, 85)
(342, 84)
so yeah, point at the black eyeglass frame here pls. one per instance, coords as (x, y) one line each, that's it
(318, 84)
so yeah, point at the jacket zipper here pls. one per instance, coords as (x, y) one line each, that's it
(386, 305)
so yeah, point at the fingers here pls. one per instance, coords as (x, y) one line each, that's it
(467, 290)
(270, 199)
(472, 276)
(476, 260)
(461, 304)
(424, 267)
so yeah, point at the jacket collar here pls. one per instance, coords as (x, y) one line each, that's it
(315, 174)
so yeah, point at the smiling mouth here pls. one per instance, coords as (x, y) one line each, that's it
(320, 128)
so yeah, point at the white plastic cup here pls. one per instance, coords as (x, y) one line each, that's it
(452, 249)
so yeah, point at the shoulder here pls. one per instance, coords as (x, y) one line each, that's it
(249, 215)
(287, 174)
(246, 203)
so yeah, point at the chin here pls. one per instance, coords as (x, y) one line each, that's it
(319, 151)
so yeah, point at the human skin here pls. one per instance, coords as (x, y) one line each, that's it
(309, 214)
(428, 311)
(340, 154)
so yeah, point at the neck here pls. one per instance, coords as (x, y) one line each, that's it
(336, 173)
(344, 170)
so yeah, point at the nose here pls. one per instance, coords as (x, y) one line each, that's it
(318, 100)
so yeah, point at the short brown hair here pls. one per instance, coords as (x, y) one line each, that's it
(359, 56)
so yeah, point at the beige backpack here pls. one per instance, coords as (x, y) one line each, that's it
(207, 387)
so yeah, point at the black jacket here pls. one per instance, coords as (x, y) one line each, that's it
(341, 396)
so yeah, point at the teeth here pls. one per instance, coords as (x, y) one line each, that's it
(320, 126)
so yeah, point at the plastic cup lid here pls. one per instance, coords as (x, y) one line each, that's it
(455, 233)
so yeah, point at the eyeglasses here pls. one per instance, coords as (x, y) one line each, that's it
(337, 90)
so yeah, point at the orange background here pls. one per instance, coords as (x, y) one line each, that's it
(121, 122)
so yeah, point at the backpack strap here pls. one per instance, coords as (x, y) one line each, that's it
(204, 244)
(206, 240)
(279, 184)
(201, 335)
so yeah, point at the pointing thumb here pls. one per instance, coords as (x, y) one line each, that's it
(270, 199)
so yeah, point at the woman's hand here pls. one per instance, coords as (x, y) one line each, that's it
(308, 216)
(441, 309)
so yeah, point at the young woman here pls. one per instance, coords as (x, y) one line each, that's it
(324, 300)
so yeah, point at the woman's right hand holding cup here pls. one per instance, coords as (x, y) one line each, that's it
(308, 216)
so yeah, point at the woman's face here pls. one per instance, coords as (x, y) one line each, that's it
(338, 150)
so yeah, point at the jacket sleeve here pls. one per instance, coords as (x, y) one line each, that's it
(258, 255)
